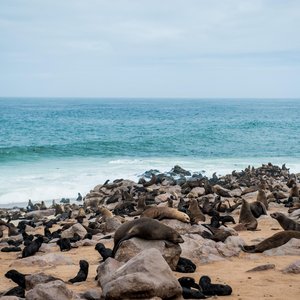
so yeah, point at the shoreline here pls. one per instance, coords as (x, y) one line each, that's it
(64, 178)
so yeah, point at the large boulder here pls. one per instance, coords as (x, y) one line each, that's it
(146, 275)
(179, 226)
(37, 278)
(50, 259)
(130, 248)
(106, 269)
(53, 290)
(76, 228)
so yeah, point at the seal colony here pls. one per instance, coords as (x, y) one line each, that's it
(180, 213)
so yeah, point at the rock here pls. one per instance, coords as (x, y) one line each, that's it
(76, 228)
(180, 171)
(146, 275)
(179, 226)
(292, 247)
(112, 224)
(262, 268)
(9, 298)
(85, 242)
(37, 278)
(130, 248)
(50, 259)
(293, 268)
(196, 192)
(92, 294)
(106, 269)
(50, 247)
(53, 290)
(162, 197)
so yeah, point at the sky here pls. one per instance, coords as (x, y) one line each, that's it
(153, 48)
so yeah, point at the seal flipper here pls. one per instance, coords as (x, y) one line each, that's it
(249, 249)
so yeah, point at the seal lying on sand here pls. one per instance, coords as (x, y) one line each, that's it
(274, 241)
(165, 213)
(145, 228)
(285, 222)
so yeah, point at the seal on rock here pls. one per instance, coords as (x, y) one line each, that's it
(165, 213)
(285, 222)
(246, 216)
(195, 212)
(145, 228)
(274, 241)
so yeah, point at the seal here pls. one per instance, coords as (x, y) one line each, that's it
(82, 273)
(145, 228)
(246, 216)
(274, 241)
(161, 213)
(261, 196)
(294, 191)
(285, 222)
(258, 209)
(195, 212)
(16, 277)
(103, 251)
(211, 289)
(33, 247)
(106, 214)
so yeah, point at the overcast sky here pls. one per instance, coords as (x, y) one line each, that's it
(139, 48)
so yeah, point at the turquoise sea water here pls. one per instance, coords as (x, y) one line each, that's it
(53, 148)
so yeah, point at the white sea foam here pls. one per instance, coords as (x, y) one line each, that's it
(55, 179)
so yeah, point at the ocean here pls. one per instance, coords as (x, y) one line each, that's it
(55, 148)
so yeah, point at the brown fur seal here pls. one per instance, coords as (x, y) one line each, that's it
(294, 192)
(145, 228)
(165, 213)
(152, 181)
(246, 216)
(276, 240)
(261, 197)
(285, 222)
(106, 214)
(258, 209)
(195, 212)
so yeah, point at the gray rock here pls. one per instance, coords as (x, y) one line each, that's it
(147, 275)
(292, 247)
(92, 294)
(106, 269)
(130, 248)
(76, 228)
(9, 298)
(112, 224)
(50, 259)
(53, 290)
(85, 242)
(293, 268)
(179, 226)
(37, 278)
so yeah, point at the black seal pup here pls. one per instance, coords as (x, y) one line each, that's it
(190, 289)
(185, 265)
(82, 273)
(211, 289)
(33, 247)
(145, 228)
(64, 244)
(103, 251)
(16, 277)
